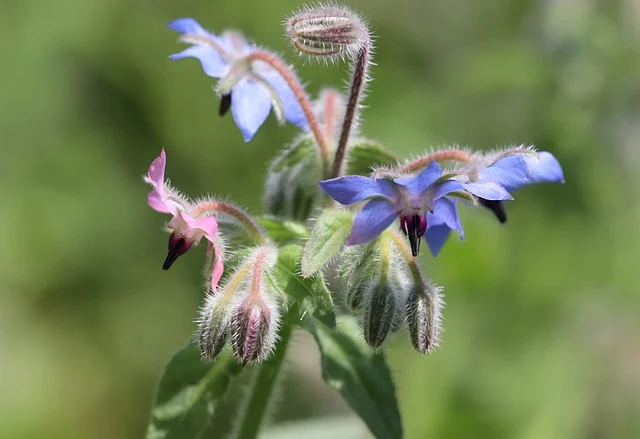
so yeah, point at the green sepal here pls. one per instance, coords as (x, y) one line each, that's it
(364, 155)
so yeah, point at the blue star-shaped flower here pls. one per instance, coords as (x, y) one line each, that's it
(409, 198)
(256, 86)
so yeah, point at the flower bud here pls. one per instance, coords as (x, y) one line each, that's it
(380, 313)
(377, 283)
(253, 328)
(213, 327)
(423, 315)
(327, 31)
(253, 313)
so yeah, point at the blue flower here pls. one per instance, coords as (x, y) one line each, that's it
(510, 172)
(249, 89)
(492, 184)
(410, 198)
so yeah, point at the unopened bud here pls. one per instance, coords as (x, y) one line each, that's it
(379, 314)
(423, 316)
(213, 327)
(253, 329)
(327, 31)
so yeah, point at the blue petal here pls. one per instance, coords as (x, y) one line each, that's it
(353, 188)
(187, 26)
(291, 107)
(372, 220)
(250, 105)
(436, 237)
(545, 168)
(441, 189)
(510, 172)
(212, 63)
(488, 190)
(418, 184)
(441, 222)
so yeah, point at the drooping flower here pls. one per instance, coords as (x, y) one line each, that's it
(492, 179)
(249, 88)
(409, 198)
(186, 231)
(508, 171)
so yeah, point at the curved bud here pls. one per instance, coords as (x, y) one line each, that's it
(327, 31)
(424, 318)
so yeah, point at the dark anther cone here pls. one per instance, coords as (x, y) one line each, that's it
(496, 207)
(225, 104)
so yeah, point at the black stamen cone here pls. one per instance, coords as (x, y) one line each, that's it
(174, 252)
(225, 104)
(496, 207)
(412, 233)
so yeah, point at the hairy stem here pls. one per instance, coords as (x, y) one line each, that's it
(437, 156)
(298, 90)
(219, 207)
(257, 404)
(405, 251)
(358, 79)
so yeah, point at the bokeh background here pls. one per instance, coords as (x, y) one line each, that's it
(542, 325)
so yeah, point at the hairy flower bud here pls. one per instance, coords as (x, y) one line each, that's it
(377, 284)
(213, 327)
(379, 315)
(423, 316)
(253, 328)
(327, 31)
(253, 314)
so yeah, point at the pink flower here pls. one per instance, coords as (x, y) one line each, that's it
(186, 230)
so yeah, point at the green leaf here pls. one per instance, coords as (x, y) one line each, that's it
(364, 154)
(310, 293)
(283, 231)
(188, 394)
(360, 375)
(327, 238)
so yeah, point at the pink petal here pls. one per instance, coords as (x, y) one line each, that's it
(218, 265)
(157, 203)
(155, 176)
(156, 171)
(208, 225)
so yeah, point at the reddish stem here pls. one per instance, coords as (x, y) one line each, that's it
(355, 95)
(294, 83)
(233, 211)
(438, 156)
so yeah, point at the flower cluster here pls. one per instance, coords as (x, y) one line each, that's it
(426, 203)
(278, 270)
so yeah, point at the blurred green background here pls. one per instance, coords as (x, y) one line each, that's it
(542, 325)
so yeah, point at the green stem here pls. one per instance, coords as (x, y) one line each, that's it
(263, 385)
